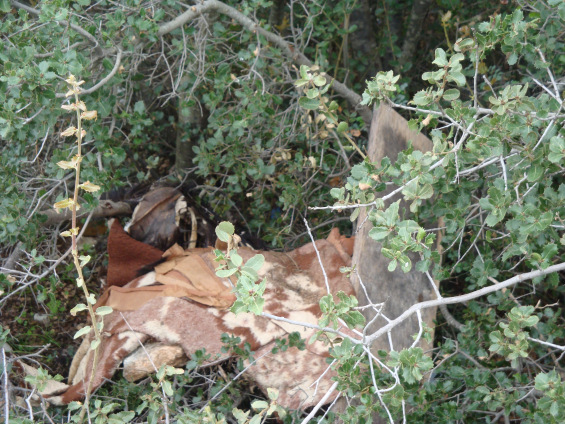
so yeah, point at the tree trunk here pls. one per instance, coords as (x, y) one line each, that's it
(413, 31)
(276, 13)
(363, 41)
(190, 121)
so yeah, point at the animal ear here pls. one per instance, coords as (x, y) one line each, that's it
(344, 245)
(347, 244)
(126, 256)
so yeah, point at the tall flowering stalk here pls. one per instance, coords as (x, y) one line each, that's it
(82, 113)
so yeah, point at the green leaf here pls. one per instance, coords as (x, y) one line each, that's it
(78, 308)
(224, 231)
(235, 258)
(355, 214)
(304, 71)
(84, 330)
(549, 251)
(531, 321)
(319, 80)
(535, 173)
(554, 409)
(465, 43)
(240, 416)
(354, 319)
(50, 75)
(139, 107)
(312, 93)
(557, 149)
(423, 265)
(273, 394)
(451, 94)
(359, 171)
(224, 273)
(342, 127)
(309, 104)
(337, 193)
(391, 214)
(256, 419)
(422, 98)
(425, 192)
(495, 217)
(441, 58)
(238, 307)
(416, 191)
(456, 77)
(5, 6)
(167, 388)
(94, 344)
(104, 310)
(326, 304)
(250, 273)
(379, 233)
(256, 306)
(405, 263)
(256, 262)
(512, 59)
(259, 405)
(43, 66)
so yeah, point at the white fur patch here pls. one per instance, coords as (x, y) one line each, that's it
(157, 329)
(147, 279)
(302, 282)
(130, 340)
(263, 331)
(265, 269)
(165, 304)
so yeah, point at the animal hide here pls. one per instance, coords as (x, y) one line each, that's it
(182, 304)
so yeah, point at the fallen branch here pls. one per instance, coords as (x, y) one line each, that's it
(287, 48)
(106, 208)
(49, 270)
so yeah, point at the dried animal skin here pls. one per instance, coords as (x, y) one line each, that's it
(181, 303)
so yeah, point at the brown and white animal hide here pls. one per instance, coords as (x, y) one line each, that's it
(182, 304)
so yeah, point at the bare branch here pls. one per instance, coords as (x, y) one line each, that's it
(287, 48)
(319, 404)
(464, 297)
(5, 382)
(102, 81)
(318, 255)
(450, 318)
(546, 343)
(308, 325)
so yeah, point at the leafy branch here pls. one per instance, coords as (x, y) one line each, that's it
(96, 317)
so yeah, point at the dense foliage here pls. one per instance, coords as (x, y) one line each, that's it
(496, 178)
(219, 104)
